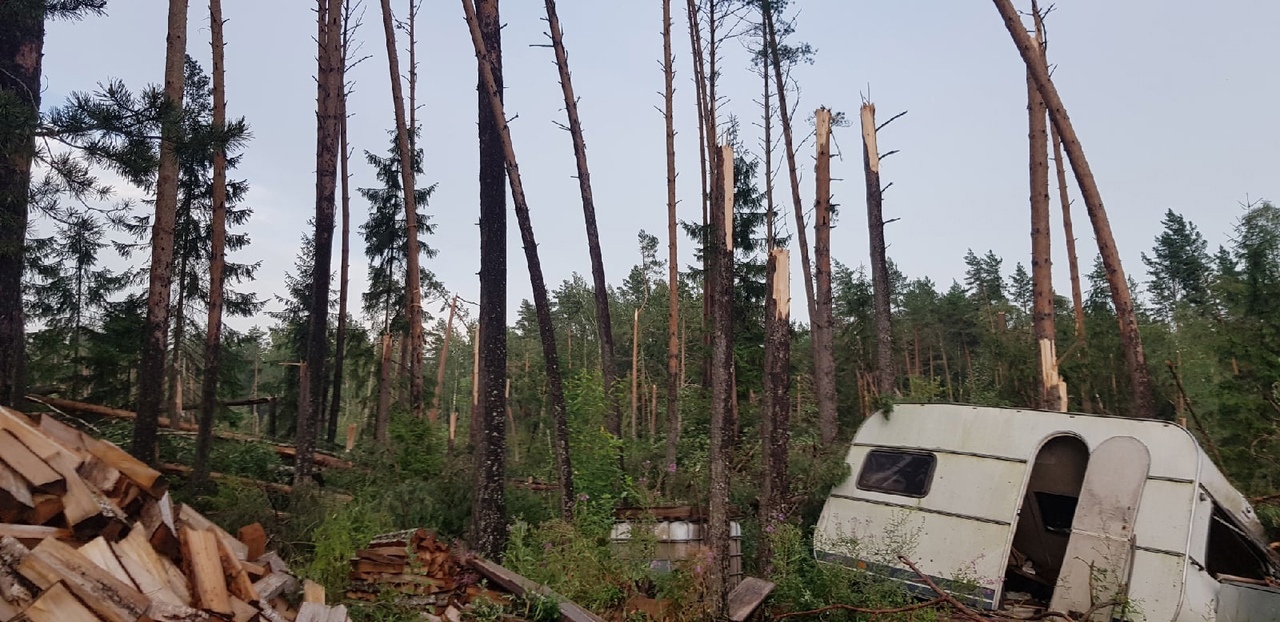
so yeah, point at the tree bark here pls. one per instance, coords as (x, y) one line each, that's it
(434, 413)
(344, 270)
(673, 270)
(1052, 391)
(488, 516)
(824, 364)
(604, 324)
(327, 109)
(20, 70)
(382, 419)
(719, 248)
(1131, 339)
(635, 367)
(542, 305)
(173, 408)
(1077, 296)
(879, 262)
(217, 257)
(776, 420)
(151, 365)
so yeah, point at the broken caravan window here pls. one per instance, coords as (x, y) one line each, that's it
(897, 472)
(1230, 552)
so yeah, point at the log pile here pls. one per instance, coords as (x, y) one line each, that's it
(419, 570)
(89, 533)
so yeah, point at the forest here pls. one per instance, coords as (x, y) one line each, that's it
(527, 428)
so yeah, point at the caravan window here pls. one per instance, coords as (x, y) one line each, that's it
(905, 473)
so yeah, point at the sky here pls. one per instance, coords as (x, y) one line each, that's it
(1172, 99)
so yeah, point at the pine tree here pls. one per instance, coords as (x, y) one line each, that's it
(1178, 266)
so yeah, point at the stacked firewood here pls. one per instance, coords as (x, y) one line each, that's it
(89, 533)
(419, 570)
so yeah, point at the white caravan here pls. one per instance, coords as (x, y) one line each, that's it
(1075, 511)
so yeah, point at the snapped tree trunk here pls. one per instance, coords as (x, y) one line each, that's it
(1053, 394)
(719, 247)
(824, 363)
(488, 515)
(775, 422)
(1131, 339)
(217, 257)
(383, 416)
(541, 303)
(173, 408)
(328, 84)
(344, 180)
(151, 364)
(604, 325)
(434, 413)
(879, 262)
(20, 87)
(1073, 265)
(673, 271)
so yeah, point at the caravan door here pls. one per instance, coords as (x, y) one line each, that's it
(1099, 554)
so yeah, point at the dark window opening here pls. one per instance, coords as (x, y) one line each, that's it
(1231, 552)
(897, 472)
(1056, 511)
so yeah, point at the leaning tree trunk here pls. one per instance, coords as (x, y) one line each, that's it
(1053, 394)
(719, 247)
(775, 421)
(340, 340)
(434, 413)
(673, 275)
(1077, 296)
(151, 365)
(327, 110)
(1131, 339)
(879, 262)
(604, 325)
(825, 392)
(488, 515)
(20, 56)
(542, 305)
(217, 257)
(824, 363)
(382, 417)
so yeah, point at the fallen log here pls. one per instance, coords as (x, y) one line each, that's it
(518, 585)
(321, 459)
(284, 489)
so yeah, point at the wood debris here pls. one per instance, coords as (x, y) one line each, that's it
(89, 533)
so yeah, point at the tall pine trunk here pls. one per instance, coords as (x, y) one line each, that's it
(434, 413)
(20, 70)
(173, 407)
(151, 366)
(1073, 265)
(1053, 394)
(382, 418)
(488, 434)
(824, 363)
(344, 180)
(217, 256)
(719, 248)
(1130, 338)
(673, 270)
(604, 324)
(775, 421)
(328, 84)
(879, 261)
(541, 302)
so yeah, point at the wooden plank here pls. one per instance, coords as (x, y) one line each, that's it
(193, 519)
(312, 592)
(276, 584)
(177, 580)
(237, 578)
(99, 552)
(16, 485)
(21, 427)
(110, 598)
(13, 590)
(242, 611)
(157, 518)
(58, 604)
(273, 562)
(66, 435)
(747, 597)
(137, 471)
(168, 612)
(518, 585)
(79, 504)
(255, 538)
(33, 532)
(99, 474)
(45, 506)
(146, 569)
(200, 553)
(26, 463)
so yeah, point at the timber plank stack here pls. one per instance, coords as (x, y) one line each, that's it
(88, 533)
(419, 570)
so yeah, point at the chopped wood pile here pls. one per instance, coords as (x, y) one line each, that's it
(89, 533)
(419, 569)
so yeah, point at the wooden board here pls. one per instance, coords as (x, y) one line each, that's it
(747, 597)
(518, 585)
(146, 569)
(79, 503)
(33, 532)
(58, 604)
(167, 612)
(254, 538)
(194, 519)
(200, 553)
(20, 426)
(24, 462)
(44, 508)
(12, 589)
(275, 584)
(312, 592)
(236, 576)
(16, 486)
(70, 438)
(110, 598)
(158, 519)
(99, 552)
(137, 471)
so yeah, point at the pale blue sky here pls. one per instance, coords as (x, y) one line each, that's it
(1172, 101)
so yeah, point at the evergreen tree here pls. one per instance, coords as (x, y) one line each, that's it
(982, 277)
(1020, 288)
(1178, 266)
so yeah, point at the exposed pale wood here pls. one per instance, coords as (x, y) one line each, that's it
(58, 604)
(275, 584)
(200, 554)
(747, 597)
(99, 474)
(27, 464)
(44, 507)
(237, 578)
(16, 485)
(65, 435)
(146, 569)
(157, 518)
(168, 612)
(242, 611)
(193, 518)
(273, 562)
(254, 538)
(518, 585)
(20, 426)
(312, 592)
(12, 589)
(137, 471)
(79, 503)
(110, 598)
(32, 532)
(99, 552)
